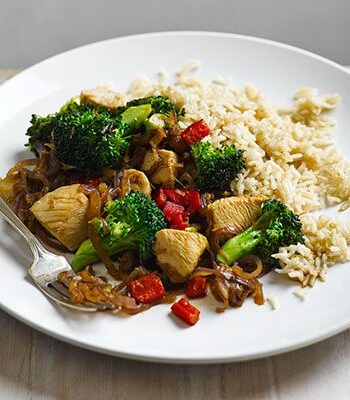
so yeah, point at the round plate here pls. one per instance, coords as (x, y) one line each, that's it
(249, 332)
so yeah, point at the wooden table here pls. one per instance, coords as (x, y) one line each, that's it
(35, 366)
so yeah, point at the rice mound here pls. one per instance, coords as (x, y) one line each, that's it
(326, 243)
(289, 154)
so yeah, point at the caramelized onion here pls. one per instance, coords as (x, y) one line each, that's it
(31, 162)
(187, 180)
(175, 141)
(231, 289)
(102, 253)
(104, 193)
(219, 288)
(258, 295)
(202, 271)
(86, 287)
(94, 210)
(252, 261)
(221, 235)
(126, 262)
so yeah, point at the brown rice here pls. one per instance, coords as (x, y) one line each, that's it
(289, 155)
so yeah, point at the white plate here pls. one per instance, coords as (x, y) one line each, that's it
(245, 333)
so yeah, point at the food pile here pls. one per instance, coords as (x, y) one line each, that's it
(148, 188)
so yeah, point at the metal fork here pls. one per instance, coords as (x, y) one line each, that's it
(46, 266)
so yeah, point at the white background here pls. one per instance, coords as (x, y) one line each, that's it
(31, 30)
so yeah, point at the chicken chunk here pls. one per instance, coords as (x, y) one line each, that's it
(134, 180)
(63, 213)
(103, 96)
(178, 252)
(161, 166)
(235, 213)
(150, 162)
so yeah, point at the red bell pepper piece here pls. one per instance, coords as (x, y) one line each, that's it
(147, 289)
(194, 201)
(196, 287)
(171, 210)
(160, 198)
(91, 182)
(176, 196)
(176, 216)
(180, 221)
(195, 132)
(190, 199)
(186, 311)
(177, 205)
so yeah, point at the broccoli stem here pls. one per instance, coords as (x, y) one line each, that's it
(87, 253)
(135, 116)
(239, 246)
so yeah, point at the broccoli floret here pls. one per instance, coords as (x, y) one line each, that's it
(160, 105)
(90, 140)
(42, 128)
(71, 105)
(88, 137)
(132, 223)
(216, 167)
(276, 227)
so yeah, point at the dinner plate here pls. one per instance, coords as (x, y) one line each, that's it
(249, 332)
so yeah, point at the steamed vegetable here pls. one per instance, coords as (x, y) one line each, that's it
(160, 105)
(41, 128)
(216, 167)
(130, 224)
(90, 137)
(90, 140)
(276, 227)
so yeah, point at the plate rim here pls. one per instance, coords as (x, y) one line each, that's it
(274, 43)
(298, 344)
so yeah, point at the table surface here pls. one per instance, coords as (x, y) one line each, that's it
(35, 366)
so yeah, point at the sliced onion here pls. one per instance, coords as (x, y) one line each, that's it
(32, 162)
(202, 271)
(104, 193)
(102, 253)
(128, 304)
(251, 260)
(232, 289)
(94, 210)
(220, 292)
(258, 295)
(220, 235)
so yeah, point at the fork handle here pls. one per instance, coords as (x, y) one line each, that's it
(35, 246)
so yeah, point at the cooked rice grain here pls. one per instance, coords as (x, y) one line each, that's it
(289, 155)
(326, 243)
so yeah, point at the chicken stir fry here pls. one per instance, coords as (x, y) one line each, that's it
(178, 252)
(120, 182)
(63, 213)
